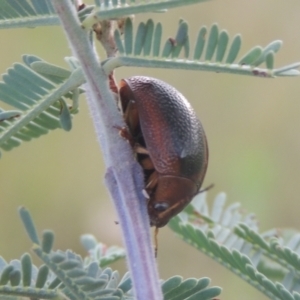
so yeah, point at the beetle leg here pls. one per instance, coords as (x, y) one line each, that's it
(125, 134)
(147, 163)
(152, 182)
(140, 149)
(112, 84)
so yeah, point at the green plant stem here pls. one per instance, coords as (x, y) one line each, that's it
(124, 177)
(123, 61)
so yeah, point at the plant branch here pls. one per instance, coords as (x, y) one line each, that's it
(124, 177)
(191, 65)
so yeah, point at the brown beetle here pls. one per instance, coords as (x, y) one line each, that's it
(170, 144)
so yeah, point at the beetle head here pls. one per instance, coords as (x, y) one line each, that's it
(172, 194)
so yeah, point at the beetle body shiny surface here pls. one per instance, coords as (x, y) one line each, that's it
(170, 144)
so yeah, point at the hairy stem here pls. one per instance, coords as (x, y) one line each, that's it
(124, 177)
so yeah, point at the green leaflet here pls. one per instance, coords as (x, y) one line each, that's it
(231, 238)
(177, 53)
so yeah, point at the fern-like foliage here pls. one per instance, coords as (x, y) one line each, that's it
(268, 263)
(66, 275)
(38, 93)
(34, 13)
(212, 51)
(115, 9)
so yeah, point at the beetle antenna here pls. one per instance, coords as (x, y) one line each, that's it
(155, 241)
(207, 188)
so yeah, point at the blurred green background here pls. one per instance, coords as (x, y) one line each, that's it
(252, 125)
